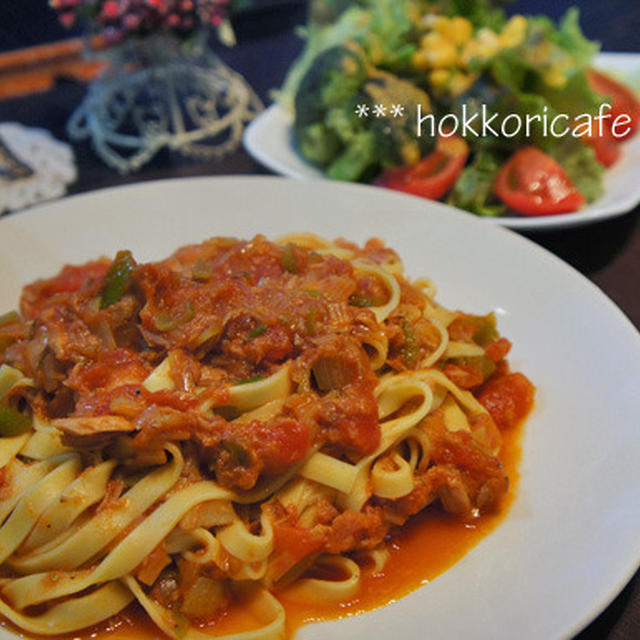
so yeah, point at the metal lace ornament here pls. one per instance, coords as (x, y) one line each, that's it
(164, 92)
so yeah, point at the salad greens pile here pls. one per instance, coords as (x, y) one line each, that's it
(441, 54)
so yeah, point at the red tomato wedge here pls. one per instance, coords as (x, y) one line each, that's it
(508, 399)
(291, 545)
(622, 98)
(434, 175)
(606, 147)
(534, 184)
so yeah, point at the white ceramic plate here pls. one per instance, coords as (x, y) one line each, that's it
(269, 139)
(572, 538)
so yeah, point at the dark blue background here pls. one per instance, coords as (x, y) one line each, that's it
(615, 23)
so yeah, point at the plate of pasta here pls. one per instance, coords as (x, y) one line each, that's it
(279, 406)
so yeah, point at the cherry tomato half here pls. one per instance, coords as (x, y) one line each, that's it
(606, 147)
(534, 184)
(622, 98)
(434, 175)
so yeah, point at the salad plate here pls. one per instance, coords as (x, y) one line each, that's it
(571, 538)
(269, 139)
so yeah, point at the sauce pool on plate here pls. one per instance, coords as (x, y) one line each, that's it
(427, 546)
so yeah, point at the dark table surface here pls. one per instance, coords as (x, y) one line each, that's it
(608, 253)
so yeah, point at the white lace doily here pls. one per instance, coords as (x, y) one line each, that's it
(46, 166)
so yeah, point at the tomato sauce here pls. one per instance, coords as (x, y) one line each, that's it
(408, 567)
(280, 304)
(446, 537)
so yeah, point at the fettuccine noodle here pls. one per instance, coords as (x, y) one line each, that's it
(241, 418)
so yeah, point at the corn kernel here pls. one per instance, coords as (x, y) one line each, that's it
(460, 83)
(438, 78)
(349, 66)
(555, 78)
(437, 51)
(459, 30)
(429, 38)
(410, 152)
(438, 23)
(418, 61)
(539, 54)
(488, 43)
(484, 46)
(514, 32)
(470, 52)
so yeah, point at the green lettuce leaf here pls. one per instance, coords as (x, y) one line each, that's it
(473, 190)
(380, 26)
(569, 36)
(579, 161)
(353, 23)
(481, 13)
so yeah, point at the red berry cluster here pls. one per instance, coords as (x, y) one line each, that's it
(121, 18)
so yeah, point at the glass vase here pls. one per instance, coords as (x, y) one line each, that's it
(163, 92)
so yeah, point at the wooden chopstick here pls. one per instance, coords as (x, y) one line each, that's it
(26, 71)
